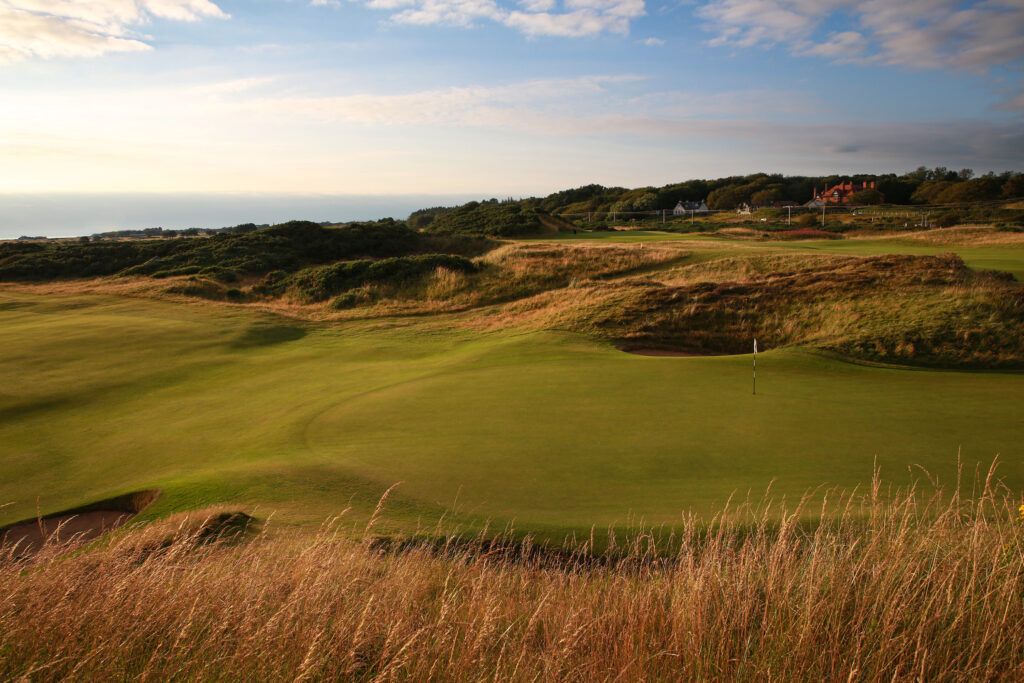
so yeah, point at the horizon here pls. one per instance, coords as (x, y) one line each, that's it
(56, 215)
(77, 214)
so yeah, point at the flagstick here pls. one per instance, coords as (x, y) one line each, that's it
(755, 367)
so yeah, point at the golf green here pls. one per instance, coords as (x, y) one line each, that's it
(103, 395)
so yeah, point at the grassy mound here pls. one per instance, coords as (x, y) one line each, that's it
(923, 310)
(322, 282)
(493, 219)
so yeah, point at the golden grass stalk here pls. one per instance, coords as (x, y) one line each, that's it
(900, 586)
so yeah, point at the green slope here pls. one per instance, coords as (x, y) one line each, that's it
(104, 395)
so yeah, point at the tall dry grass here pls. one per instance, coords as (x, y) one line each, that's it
(894, 587)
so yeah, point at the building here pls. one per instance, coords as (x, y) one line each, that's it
(840, 194)
(683, 208)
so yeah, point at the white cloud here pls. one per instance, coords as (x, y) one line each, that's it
(653, 42)
(87, 28)
(566, 18)
(838, 46)
(528, 105)
(918, 33)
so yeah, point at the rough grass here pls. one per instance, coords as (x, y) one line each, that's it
(957, 235)
(905, 309)
(512, 272)
(896, 587)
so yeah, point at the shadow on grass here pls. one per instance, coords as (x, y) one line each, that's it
(268, 335)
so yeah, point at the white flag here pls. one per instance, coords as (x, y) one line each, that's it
(755, 346)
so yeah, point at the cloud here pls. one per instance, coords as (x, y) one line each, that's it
(565, 18)
(653, 42)
(87, 28)
(536, 106)
(205, 136)
(919, 33)
(838, 46)
(675, 118)
(1015, 103)
(590, 106)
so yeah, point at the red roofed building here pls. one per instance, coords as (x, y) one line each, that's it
(841, 193)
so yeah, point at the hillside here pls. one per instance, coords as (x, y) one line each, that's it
(713, 295)
(224, 256)
(965, 194)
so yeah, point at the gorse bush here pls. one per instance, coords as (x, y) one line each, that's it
(322, 282)
(506, 219)
(893, 586)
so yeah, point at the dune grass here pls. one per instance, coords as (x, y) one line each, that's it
(981, 247)
(906, 586)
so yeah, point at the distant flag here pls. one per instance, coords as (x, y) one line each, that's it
(755, 367)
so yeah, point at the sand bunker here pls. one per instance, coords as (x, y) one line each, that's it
(76, 525)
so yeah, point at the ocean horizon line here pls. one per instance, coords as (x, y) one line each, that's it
(76, 214)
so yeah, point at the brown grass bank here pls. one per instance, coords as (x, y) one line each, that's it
(903, 587)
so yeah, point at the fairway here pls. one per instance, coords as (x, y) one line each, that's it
(1009, 258)
(105, 395)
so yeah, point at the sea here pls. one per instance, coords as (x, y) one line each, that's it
(74, 215)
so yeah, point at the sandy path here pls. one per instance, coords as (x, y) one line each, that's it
(83, 526)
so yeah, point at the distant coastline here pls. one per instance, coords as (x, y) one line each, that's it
(74, 215)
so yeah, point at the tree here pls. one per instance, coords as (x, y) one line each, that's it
(869, 196)
(729, 197)
(1014, 186)
(975, 190)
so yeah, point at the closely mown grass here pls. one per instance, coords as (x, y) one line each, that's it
(907, 586)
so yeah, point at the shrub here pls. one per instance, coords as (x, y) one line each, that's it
(322, 282)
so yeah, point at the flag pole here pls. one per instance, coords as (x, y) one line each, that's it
(755, 367)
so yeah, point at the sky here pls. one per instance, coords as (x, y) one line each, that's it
(497, 97)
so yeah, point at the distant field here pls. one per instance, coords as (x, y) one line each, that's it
(103, 395)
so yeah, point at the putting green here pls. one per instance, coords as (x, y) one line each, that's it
(104, 395)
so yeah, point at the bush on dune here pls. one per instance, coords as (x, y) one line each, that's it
(322, 282)
(506, 219)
